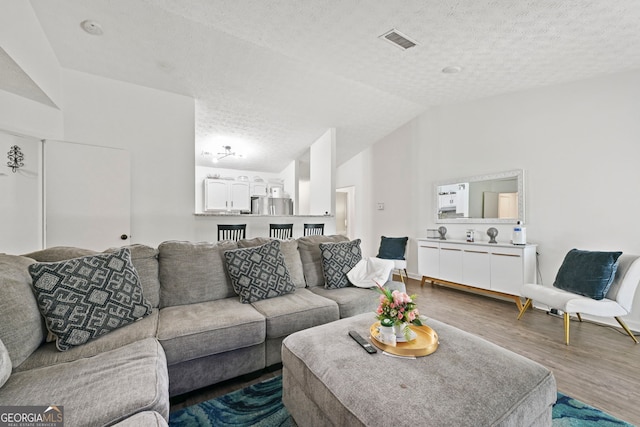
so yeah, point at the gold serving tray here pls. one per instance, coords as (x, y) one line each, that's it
(425, 343)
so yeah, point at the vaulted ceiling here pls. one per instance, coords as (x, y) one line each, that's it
(269, 77)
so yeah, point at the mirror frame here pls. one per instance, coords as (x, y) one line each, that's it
(518, 173)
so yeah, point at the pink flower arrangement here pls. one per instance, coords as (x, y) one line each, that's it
(398, 307)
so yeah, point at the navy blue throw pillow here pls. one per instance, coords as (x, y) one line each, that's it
(587, 273)
(392, 247)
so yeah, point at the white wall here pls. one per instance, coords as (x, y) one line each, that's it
(21, 193)
(322, 174)
(21, 197)
(24, 40)
(578, 145)
(26, 117)
(289, 181)
(357, 173)
(157, 128)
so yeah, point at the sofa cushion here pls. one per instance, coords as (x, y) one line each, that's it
(289, 249)
(337, 260)
(100, 390)
(145, 260)
(84, 298)
(48, 354)
(311, 257)
(259, 273)
(59, 253)
(294, 312)
(192, 331)
(5, 364)
(587, 273)
(193, 272)
(21, 327)
(392, 247)
(351, 301)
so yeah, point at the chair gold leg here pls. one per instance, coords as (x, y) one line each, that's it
(579, 317)
(526, 305)
(566, 328)
(627, 330)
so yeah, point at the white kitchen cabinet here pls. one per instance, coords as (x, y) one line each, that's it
(225, 195)
(258, 188)
(498, 269)
(447, 201)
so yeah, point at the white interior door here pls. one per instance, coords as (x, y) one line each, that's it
(87, 195)
(508, 205)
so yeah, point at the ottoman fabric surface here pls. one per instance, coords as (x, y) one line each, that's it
(329, 379)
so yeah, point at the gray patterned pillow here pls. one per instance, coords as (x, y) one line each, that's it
(259, 272)
(337, 260)
(84, 298)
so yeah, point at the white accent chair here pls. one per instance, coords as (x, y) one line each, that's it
(617, 301)
(393, 248)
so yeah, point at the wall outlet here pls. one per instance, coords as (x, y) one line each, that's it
(380, 206)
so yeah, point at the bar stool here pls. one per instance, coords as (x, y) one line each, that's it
(313, 229)
(232, 231)
(281, 231)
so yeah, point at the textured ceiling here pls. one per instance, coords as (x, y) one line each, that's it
(269, 77)
(16, 81)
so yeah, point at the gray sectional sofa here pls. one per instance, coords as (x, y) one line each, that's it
(198, 332)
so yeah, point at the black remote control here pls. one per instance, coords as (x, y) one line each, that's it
(363, 343)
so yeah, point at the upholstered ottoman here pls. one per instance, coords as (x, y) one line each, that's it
(328, 379)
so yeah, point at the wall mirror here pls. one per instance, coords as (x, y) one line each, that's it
(492, 198)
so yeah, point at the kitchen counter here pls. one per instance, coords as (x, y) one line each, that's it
(257, 224)
(243, 215)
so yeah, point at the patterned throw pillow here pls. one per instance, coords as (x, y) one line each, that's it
(337, 260)
(259, 272)
(84, 298)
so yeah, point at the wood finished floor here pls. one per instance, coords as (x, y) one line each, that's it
(601, 367)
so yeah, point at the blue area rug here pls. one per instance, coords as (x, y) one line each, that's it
(261, 405)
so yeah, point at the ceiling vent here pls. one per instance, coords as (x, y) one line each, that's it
(398, 39)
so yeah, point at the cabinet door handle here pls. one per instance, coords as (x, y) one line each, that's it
(450, 249)
(511, 255)
(429, 247)
(477, 252)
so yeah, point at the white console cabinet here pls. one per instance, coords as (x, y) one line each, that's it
(498, 269)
